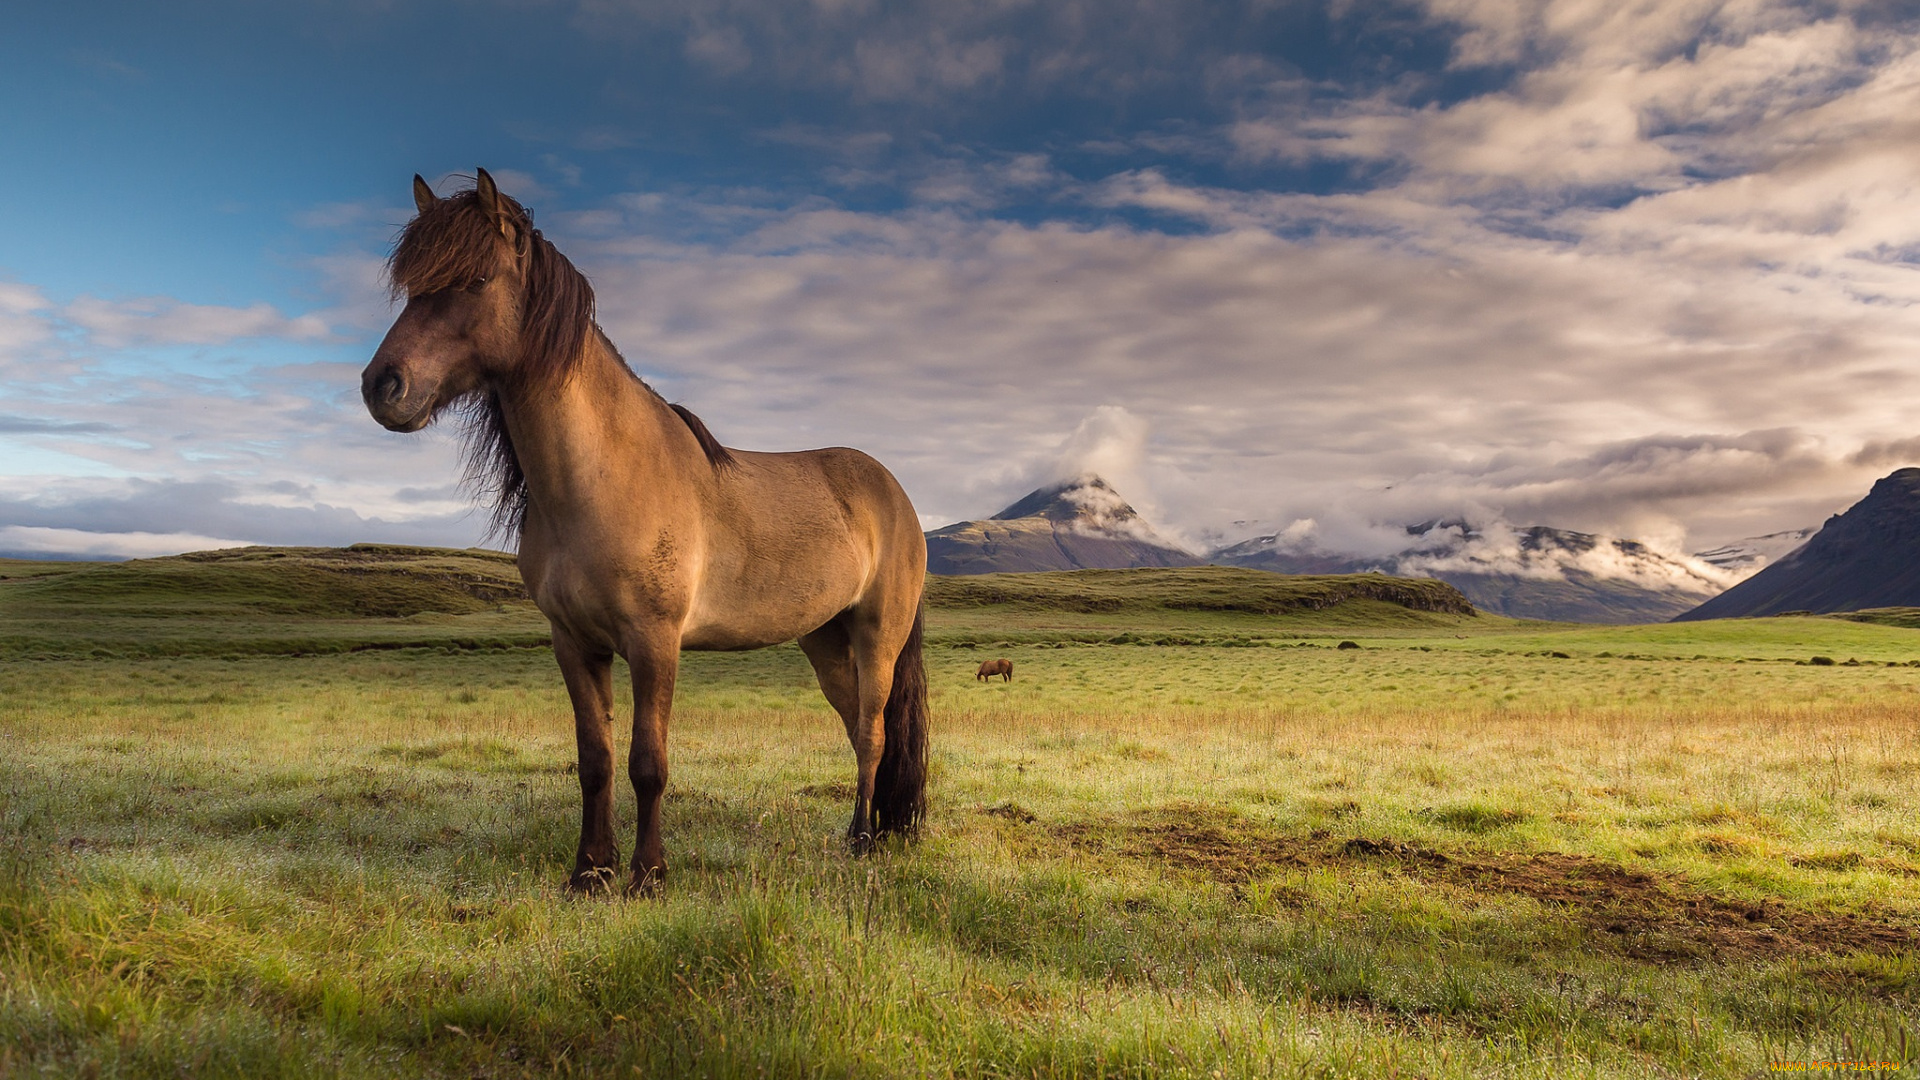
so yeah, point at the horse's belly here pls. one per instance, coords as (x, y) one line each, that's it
(761, 619)
(723, 634)
(731, 639)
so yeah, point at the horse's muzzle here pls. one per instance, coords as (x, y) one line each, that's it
(384, 390)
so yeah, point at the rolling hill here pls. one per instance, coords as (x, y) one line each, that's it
(298, 601)
(266, 600)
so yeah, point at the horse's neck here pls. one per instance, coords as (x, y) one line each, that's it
(598, 420)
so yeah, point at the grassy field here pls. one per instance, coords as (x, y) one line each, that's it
(1189, 839)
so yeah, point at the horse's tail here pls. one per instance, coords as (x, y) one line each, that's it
(900, 786)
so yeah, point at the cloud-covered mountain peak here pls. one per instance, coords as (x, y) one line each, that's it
(1076, 524)
(1085, 498)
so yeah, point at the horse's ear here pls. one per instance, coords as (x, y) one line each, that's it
(489, 194)
(490, 204)
(423, 196)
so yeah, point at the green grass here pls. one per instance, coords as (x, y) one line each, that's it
(1258, 855)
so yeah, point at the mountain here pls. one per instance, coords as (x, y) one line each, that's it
(1866, 557)
(1082, 524)
(1534, 572)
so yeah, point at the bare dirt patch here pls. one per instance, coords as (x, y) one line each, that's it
(837, 789)
(1219, 853)
(1662, 916)
(1197, 839)
(1641, 913)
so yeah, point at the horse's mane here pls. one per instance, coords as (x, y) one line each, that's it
(451, 245)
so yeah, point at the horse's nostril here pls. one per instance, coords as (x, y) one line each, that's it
(388, 388)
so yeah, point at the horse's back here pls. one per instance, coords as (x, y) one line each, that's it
(798, 538)
(857, 480)
(804, 490)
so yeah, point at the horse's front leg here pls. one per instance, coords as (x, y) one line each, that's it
(589, 676)
(655, 664)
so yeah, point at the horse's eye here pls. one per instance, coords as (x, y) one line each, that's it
(478, 284)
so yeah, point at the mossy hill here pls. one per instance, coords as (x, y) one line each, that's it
(362, 581)
(265, 600)
(1196, 605)
(1198, 588)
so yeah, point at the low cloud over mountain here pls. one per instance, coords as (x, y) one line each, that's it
(1533, 572)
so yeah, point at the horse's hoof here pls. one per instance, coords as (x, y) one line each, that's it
(649, 884)
(860, 843)
(591, 880)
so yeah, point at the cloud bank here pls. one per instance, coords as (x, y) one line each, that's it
(1648, 271)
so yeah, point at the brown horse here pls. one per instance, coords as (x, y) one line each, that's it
(639, 534)
(1002, 666)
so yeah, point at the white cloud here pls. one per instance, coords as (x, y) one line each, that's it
(24, 318)
(1301, 350)
(1500, 548)
(1660, 279)
(930, 52)
(28, 541)
(1637, 97)
(155, 320)
(155, 459)
(722, 48)
(896, 68)
(1110, 443)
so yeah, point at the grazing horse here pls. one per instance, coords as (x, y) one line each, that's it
(639, 534)
(1002, 666)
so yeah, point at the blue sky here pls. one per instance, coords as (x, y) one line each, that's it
(1312, 268)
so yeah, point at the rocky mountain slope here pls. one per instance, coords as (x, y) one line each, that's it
(1866, 557)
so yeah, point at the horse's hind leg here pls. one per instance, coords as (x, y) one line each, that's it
(830, 651)
(831, 655)
(589, 677)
